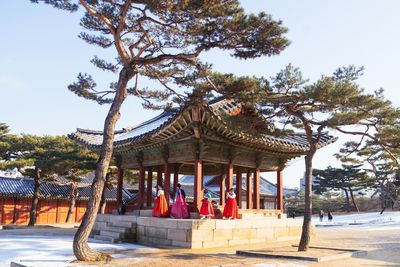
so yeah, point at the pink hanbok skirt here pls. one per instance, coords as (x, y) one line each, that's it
(179, 209)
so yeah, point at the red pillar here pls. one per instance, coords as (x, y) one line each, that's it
(142, 177)
(239, 187)
(256, 194)
(119, 188)
(222, 189)
(167, 181)
(229, 176)
(159, 175)
(149, 195)
(176, 176)
(198, 173)
(249, 199)
(279, 190)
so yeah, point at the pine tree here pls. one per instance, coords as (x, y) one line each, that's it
(161, 41)
(333, 102)
(383, 166)
(4, 129)
(349, 178)
(72, 164)
(45, 159)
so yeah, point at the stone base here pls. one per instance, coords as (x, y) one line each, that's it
(207, 233)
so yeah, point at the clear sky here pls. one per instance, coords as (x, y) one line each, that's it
(40, 54)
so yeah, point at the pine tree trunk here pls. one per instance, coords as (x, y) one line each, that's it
(347, 200)
(82, 251)
(35, 198)
(306, 230)
(72, 203)
(103, 201)
(353, 200)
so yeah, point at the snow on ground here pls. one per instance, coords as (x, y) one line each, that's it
(370, 220)
(47, 250)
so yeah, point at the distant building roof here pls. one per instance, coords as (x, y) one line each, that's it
(212, 184)
(23, 188)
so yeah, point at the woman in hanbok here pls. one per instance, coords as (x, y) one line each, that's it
(179, 209)
(160, 204)
(231, 208)
(206, 210)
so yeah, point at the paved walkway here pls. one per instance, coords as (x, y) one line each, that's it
(382, 243)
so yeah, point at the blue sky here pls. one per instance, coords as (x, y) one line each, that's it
(41, 54)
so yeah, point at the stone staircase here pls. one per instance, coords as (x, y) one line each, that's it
(116, 228)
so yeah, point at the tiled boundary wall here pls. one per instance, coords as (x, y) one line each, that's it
(209, 233)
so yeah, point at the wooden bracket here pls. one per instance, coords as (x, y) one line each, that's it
(197, 148)
(140, 158)
(259, 160)
(232, 153)
(165, 153)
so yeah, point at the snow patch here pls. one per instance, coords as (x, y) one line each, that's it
(369, 219)
(48, 251)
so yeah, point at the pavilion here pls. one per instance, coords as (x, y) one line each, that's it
(195, 139)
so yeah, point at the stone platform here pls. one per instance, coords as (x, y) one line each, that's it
(196, 233)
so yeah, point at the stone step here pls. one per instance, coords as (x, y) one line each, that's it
(105, 238)
(128, 218)
(117, 229)
(124, 224)
(115, 235)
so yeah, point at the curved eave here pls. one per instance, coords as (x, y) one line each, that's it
(180, 120)
(269, 143)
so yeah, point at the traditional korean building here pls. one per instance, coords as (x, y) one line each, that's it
(196, 139)
(54, 200)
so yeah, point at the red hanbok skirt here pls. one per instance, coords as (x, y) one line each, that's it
(206, 208)
(231, 209)
(160, 207)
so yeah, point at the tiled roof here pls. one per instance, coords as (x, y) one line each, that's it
(95, 138)
(23, 188)
(173, 121)
(212, 184)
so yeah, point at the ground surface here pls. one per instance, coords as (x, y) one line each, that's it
(379, 235)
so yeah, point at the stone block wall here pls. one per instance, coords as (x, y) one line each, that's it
(195, 233)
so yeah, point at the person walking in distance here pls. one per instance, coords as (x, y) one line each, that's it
(330, 217)
(321, 215)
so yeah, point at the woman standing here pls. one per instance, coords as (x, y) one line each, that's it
(206, 210)
(160, 204)
(231, 210)
(179, 209)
